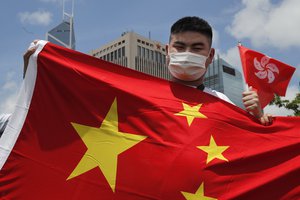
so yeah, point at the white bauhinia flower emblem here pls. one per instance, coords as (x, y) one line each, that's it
(265, 69)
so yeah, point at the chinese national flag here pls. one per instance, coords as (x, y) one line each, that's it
(84, 128)
(267, 75)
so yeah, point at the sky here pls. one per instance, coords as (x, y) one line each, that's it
(268, 26)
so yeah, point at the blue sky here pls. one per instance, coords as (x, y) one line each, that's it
(268, 26)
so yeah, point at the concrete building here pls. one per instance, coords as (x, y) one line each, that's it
(136, 52)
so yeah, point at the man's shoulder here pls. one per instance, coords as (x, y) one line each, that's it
(217, 94)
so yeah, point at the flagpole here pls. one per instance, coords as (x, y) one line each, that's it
(246, 87)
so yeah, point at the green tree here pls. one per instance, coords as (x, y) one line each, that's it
(290, 105)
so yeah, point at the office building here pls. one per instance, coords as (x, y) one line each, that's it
(148, 56)
(136, 52)
(222, 77)
(63, 34)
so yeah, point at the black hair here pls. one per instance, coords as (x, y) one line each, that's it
(194, 24)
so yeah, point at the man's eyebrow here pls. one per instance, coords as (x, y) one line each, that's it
(194, 44)
(198, 44)
(179, 43)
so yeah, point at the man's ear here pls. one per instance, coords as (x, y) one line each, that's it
(212, 53)
(167, 55)
(167, 49)
(210, 56)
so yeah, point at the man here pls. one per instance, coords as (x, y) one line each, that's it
(189, 54)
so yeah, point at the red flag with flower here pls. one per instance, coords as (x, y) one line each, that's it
(265, 74)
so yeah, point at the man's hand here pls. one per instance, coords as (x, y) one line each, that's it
(266, 119)
(252, 105)
(26, 57)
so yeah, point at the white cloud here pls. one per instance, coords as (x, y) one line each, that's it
(297, 72)
(232, 56)
(291, 92)
(276, 111)
(264, 23)
(10, 85)
(8, 104)
(8, 93)
(215, 41)
(290, 95)
(36, 18)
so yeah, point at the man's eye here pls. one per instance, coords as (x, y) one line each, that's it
(179, 47)
(197, 49)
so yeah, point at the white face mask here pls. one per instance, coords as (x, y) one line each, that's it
(187, 66)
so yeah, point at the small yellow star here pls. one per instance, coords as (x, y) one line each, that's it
(199, 195)
(191, 112)
(104, 144)
(213, 150)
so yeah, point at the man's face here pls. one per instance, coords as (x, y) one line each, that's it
(193, 42)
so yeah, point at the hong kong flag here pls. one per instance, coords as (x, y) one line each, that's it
(267, 75)
(84, 128)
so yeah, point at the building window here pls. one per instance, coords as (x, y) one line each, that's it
(147, 53)
(139, 51)
(115, 53)
(143, 52)
(156, 56)
(123, 52)
(228, 70)
(160, 58)
(119, 53)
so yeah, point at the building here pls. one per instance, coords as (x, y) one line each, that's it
(148, 56)
(136, 52)
(222, 77)
(63, 34)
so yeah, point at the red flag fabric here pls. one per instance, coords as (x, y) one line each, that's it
(84, 128)
(267, 75)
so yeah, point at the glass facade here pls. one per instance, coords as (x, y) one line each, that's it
(60, 35)
(222, 77)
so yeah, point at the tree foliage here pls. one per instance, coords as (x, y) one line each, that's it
(293, 105)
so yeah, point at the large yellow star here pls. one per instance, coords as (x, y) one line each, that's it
(199, 195)
(104, 144)
(191, 112)
(213, 150)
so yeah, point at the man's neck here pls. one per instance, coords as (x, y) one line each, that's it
(195, 83)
